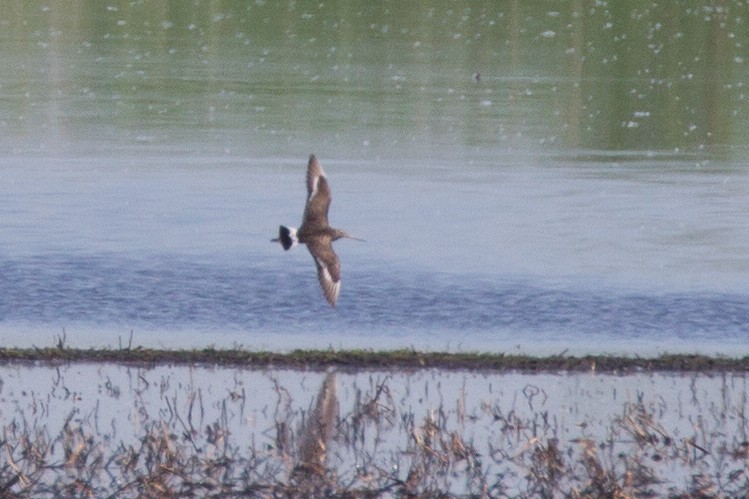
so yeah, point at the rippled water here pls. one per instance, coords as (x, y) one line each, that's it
(572, 195)
(380, 309)
(184, 255)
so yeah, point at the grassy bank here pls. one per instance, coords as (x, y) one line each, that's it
(388, 359)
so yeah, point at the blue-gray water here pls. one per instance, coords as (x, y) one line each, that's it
(171, 293)
(525, 176)
(519, 257)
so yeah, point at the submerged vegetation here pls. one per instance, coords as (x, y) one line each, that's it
(147, 426)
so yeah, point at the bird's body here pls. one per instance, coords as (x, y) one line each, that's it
(316, 233)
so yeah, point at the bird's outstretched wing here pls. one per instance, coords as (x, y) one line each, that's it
(318, 196)
(328, 267)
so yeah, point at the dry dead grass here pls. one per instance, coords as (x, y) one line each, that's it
(324, 452)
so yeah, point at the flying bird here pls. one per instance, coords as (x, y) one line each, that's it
(316, 233)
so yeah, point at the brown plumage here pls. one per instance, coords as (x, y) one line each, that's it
(316, 233)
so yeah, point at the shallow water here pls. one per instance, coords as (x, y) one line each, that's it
(587, 192)
(671, 427)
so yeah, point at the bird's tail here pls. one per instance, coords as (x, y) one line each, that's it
(287, 237)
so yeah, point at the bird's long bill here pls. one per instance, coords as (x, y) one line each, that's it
(349, 236)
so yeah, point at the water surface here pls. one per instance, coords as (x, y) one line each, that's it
(540, 177)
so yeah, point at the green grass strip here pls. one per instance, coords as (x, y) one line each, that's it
(375, 360)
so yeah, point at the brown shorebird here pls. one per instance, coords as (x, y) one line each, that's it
(316, 233)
